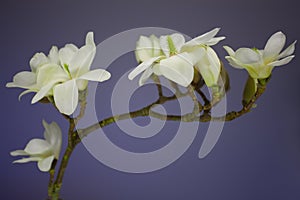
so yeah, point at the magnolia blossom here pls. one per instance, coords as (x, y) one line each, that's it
(44, 151)
(61, 75)
(260, 63)
(175, 59)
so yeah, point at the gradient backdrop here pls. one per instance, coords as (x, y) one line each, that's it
(257, 156)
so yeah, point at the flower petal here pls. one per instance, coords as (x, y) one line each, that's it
(19, 153)
(142, 67)
(147, 73)
(66, 54)
(89, 39)
(178, 68)
(37, 61)
(99, 75)
(50, 73)
(203, 39)
(229, 50)
(281, 62)
(247, 56)
(42, 92)
(288, 51)
(66, 97)
(170, 43)
(209, 67)
(37, 147)
(53, 55)
(143, 50)
(82, 60)
(45, 164)
(53, 135)
(274, 45)
(25, 160)
(23, 79)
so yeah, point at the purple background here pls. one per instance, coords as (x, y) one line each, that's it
(257, 156)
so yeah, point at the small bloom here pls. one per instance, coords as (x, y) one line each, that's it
(61, 75)
(44, 151)
(260, 63)
(179, 58)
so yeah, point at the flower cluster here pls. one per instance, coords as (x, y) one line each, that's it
(176, 59)
(61, 74)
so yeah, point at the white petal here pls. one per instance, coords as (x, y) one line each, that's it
(282, 61)
(82, 60)
(202, 39)
(25, 160)
(66, 97)
(19, 153)
(247, 56)
(147, 73)
(177, 40)
(37, 147)
(23, 79)
(209, 67)
(53, 55)
(142, 67)
(143, 50)
(23, 93)
(156, 50)
(67, 53)
(214, 41)
(178, 69)
(233, 62)
(38, 60)
(99, 75)
(274, 45)
(229, 50)
(89, 40)
(288, 51)
(45, 164)
(42, 92)
(50, 73)
(53, 135)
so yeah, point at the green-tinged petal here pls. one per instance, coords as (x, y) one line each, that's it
(155, 69)
(249, 90)
(66, 97)
(147, 73)
(229, 50)
(233, 62)
(37, 61)
(23, 79)
(44, 91)
(25, 160)
(247, 56)
(209, 67)
(37, 147)
(82, 60)
(19, 153)
(178, 69)
(274, 45)
(67, 53)
(45, 164)
(99, 75)
(282, 61)
(142, 67)
(288, 51)
(171, 43)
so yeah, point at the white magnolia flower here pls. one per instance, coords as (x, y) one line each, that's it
(44, 151)
(179, 58)
(260, 63)
(61, 74)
